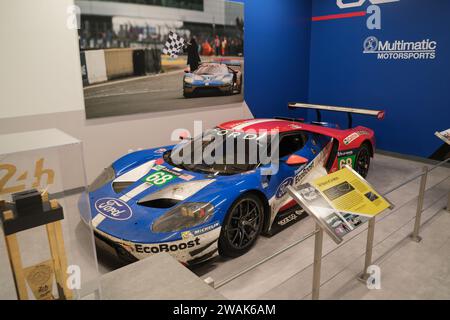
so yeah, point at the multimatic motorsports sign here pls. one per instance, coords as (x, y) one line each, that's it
(400, 49)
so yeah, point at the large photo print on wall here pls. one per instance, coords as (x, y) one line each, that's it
(160, 56)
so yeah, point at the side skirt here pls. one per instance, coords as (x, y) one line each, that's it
(286, 219)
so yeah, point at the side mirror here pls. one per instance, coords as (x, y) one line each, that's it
(295, 160)
(185, 136)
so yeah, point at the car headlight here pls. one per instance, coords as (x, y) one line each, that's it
(225, 78)
(188, 80)
(185, 216)
(106, 176)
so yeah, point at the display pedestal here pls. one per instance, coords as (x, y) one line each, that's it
(53, 247)
(40, 276)
(158, 277)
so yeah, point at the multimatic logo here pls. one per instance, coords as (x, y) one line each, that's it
(400, 49)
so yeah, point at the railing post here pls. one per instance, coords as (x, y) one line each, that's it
(448, 202)
(369, 247)
(210, 282)
(318, 242)
(423, 183)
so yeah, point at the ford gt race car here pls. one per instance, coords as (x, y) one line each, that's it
(220, 77)
(149, 202)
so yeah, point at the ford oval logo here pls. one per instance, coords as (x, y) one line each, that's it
(282, 189)
(113, 208)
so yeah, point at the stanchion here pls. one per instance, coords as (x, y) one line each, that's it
(423, 183)
(318, 241)
(369, 246)
(448, 202)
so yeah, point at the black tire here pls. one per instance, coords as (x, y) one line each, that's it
(242, 226)
(230, 91)
(187, 95)
(362, 162)
(240, 87)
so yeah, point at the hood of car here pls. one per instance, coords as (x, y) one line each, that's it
(210, 77)
(130, 204)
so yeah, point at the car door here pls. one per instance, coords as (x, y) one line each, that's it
(292, 143)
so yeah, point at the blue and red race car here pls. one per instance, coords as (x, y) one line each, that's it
(146, 202)
(222, 76)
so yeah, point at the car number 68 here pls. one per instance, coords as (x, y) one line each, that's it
(159, 178)
(345, 161)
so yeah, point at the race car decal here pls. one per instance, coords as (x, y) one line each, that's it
(282, 188)
(184, 250)
(314, 168)
(159, 178)
(197, 232)
(186, 177)
(98, 219)
(347, 157)
(113, 208)
(167, 247)
(175, 172)
(355, 135)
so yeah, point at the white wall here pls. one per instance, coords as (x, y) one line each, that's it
(39, 59)
(214, 11)
(41, 88)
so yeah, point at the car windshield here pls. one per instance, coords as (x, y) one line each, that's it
(223, 152)
(212, 69)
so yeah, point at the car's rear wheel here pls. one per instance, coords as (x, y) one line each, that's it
(242, 226)
(187, 95)
(362, 162)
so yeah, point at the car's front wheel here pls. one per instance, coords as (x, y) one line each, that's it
(362, 163)
(242, 226)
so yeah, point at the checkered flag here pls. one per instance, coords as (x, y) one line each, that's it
(174, 45)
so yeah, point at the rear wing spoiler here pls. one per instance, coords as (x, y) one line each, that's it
(379, 114)
(229, 62)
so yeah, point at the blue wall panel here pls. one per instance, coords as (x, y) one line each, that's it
(277, 45)
(415, 93)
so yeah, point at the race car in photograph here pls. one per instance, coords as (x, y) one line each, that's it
(213, 78)
(146, 202)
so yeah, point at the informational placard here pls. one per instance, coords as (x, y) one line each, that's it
(444, 136)
(340, 202)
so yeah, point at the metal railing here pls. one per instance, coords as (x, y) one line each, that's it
(415, 235)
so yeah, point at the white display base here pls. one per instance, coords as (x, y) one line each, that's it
(34, 140)
(158, 277)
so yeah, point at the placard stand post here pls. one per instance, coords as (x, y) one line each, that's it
(448, 202)
(318, 245)
(369, 246)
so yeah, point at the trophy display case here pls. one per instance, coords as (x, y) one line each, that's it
(47, 248)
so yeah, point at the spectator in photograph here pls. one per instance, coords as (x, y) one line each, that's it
(217, 45)
(232, 48)
(193, 59)
(224, 46)
(207, 50)
(109, 38)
